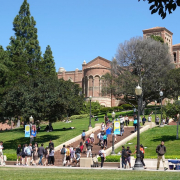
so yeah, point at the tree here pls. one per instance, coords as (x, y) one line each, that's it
(138, 61)
(172, 83)
(48, 63)
(157, 38)
(24, 49)
(162, 6)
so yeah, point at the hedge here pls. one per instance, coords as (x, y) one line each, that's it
(79, 116)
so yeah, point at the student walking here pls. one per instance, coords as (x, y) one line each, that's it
(41, 152)
(51, 156)
(161, 150)
(102, 154)
(18, 155)
(1, 152)
(63, 153)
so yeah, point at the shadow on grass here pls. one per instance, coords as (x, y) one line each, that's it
(12, 144)
(165, 138)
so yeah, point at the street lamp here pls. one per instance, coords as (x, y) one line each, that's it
(90, 98)
(138, 164)
(155, 109)
(113, 116)
(31, 119)
(161, 94)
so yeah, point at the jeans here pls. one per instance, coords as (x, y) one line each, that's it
(102, 161)
(40, 161)
(122, 131)
(124, 161)
(135, 127)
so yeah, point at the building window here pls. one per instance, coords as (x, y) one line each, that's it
(174, 57)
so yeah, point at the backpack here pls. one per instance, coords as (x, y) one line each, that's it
(135, 121)
(28, 151)
(100, 153)
(63, 150)
(87, 141)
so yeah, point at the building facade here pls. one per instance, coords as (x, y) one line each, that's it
(90, 77)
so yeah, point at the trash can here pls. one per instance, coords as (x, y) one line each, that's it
(171, 167)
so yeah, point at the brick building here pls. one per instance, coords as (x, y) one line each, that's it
(89, 78)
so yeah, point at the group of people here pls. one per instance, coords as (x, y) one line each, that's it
(35, 154)
(71, 155)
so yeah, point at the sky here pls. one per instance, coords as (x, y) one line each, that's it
(79, 30)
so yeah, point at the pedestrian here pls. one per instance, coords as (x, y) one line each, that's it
(167, 120)
(78, 154)
(51, 144)
(142, 152)
(121, 126)
(1, 152)
(51, 156)
(19, 153)
(28, 154)
(98, 138)
(149, 118)
(102, 154)
(143, 120)
(129, 156)
(35, 154)
(106, 119)
(73, 156)
(102, 126)
(41, 152)
(105, 140)
(135, 123)
(63, 153)
(124, 156)
(161, 150)
(30, 147)
(81, 147)
(46, 155)
(92, 137)
(68, 155)
(88, 140)
(126, 120)
(157, 120)
(83, 135)
(89, 148)
(23, 155)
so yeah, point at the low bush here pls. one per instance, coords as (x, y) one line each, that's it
(79, 116)
(11, 157)
(114, 158)
(127, 107)
(95, 112)
(104, 110)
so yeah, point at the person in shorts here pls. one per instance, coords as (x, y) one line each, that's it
(68, 153)
(19, 153)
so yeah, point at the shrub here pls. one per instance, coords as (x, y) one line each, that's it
(104, 110)
(114, 158)
(127, 106)
(79, 116)
(11, 157)
(95, 112)
(120, 108)
(111, 109)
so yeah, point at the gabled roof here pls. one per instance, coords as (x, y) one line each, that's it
(99, 57)
(154, 29)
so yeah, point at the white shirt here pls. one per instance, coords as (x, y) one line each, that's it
(149, 119)
(99, 135)
(92, 135)
(1, 148)
(103, 152)
(103, 127)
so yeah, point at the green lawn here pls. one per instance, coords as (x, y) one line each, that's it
(12, 138)
(54, 174)
(152, 137)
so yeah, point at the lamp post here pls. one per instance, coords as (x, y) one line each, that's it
(113, 116)
(138, 164)
(155, 109)
(177, 135)
(161, 94)
(90, 98)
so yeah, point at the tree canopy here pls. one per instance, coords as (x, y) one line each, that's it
(163, 6)
(139, 61)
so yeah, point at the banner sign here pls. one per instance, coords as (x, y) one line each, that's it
(27, 130)
(116, 127)
(33, 131)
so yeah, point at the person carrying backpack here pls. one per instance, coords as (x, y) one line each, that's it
(27, 152)
(63, 153)
(68, 153)
(87, 142)
(135, 123)
(83, 135)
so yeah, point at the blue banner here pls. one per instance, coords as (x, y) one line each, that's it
(27, 130)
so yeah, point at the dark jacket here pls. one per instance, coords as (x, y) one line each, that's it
(124, 154)
(41, 150)
(51, 144)
(161, 150)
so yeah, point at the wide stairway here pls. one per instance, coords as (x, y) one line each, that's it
(95, 149)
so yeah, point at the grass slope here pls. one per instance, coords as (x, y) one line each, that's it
(152, 137)
(54, 174)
